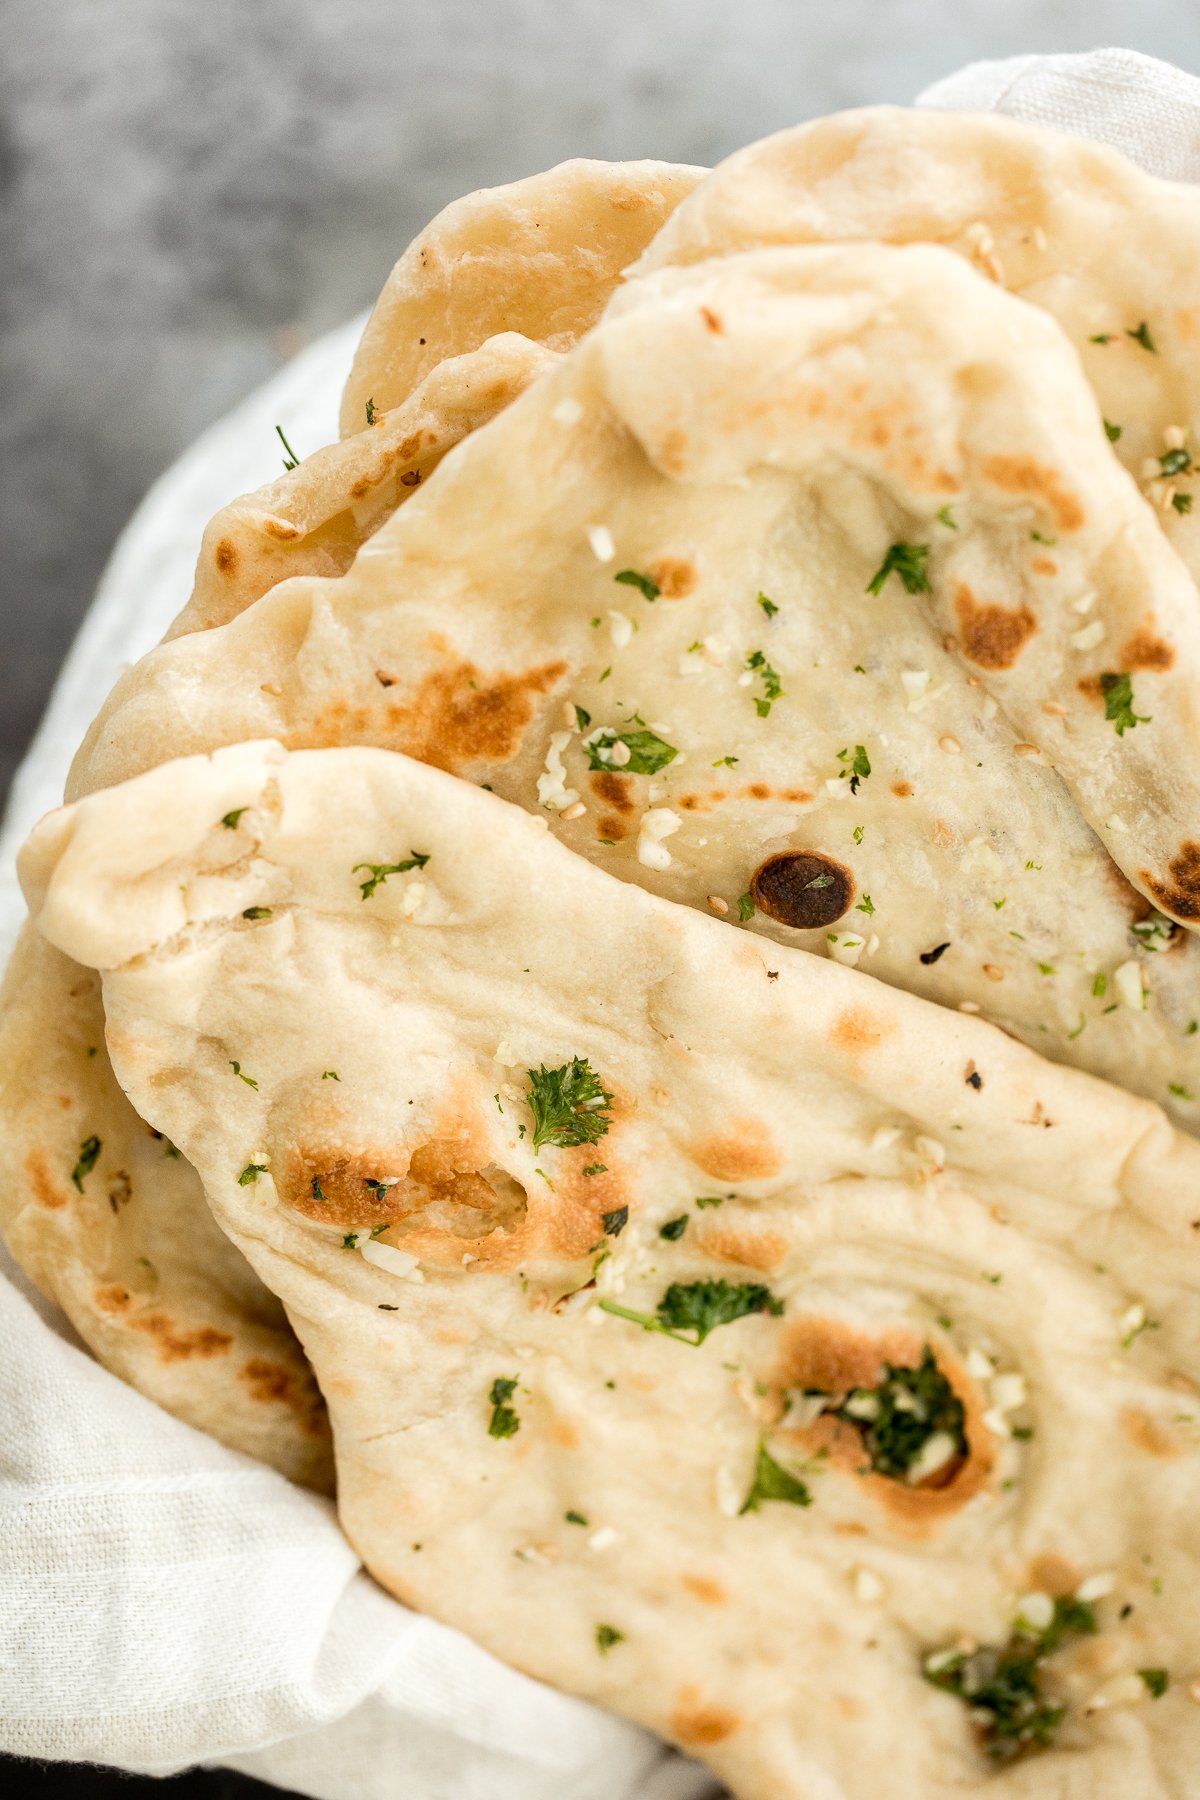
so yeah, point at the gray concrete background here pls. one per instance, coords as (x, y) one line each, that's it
(190, 189)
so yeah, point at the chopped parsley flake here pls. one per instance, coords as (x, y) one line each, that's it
(230, 820)
(674, 1228)
(1142, 336)
(89, 1151)
(858, 834)
(1175, 462)
(726, 762)
(700, 1306)
(900, 1414)
(865, 905)
(1002, 1685)
(946, 517)
(1157, 1682)
(643, 583)
(250, 1173)
(772, 1482)
(703, 1200)
(1182, 502)
(772, 686)
(858, 766)
(330, 1075)
(583, 718)
(237, 1069)
(379, 872)
(372, 412)
(575, 1518)
(768, 606)
(1118, 703)
(596, 1169)
(504, 1422)
(908, 562)
(606, 1637)
(257, 912)
(291, 461)
(648, 753)
(615, 1221)
(568, 1104)
(1100, 986)
(1112, 432)
(318, 1192)
(745, 908)
(1180, 1092)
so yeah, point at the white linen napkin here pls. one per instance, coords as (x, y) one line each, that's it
(164, 1601)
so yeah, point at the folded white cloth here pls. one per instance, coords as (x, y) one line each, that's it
(164, 1601)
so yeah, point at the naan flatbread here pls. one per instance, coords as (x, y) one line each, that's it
(1073, 227)
(509, 1137)
(751, 598)
(126, 1246)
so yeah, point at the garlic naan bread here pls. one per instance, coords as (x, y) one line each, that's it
(1073, 227)
(804, 1370)
(106, 1219)
(539, 257)
(806, 589)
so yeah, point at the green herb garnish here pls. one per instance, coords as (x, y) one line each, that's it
(1112, 432)
(615, 1222)
(606, 1637)
(674, 1228)
(568, 1104)
(745, 907)
(372, 412)
(643, 583)
(504, 1422)
(1142, 336)
(257, 912)
(768, 606)
(575, 1518)
(772, 1482)
(250, 1173)
(379, 872)
(1002, 1686)
(900, 1414)
(1118, 703)
(583, 718)
(908, 562)
(772, 687)
(1182, 502)
(89, 1151)
(858, 766)
(865, 905)
(237, 1069)
(1157, 1682)
(946, 517)
(294, 462)
(648, 753)
(1175, 462)
(700, 1306)
(231, 818)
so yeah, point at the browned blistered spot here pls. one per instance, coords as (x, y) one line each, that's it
(902, 789)
(834, 1357)
(1089, 685)
(457, 716)
(1024, 475)
(693, 1722)
(274, 1383)
(609, 826)
(1044, 565)
(1181, 894)
(757, 790)
(742, 1152)
(565, 1433)
(65, 1102)
(1052, 1574)
(856, 1030)
(175, 1345)
(226, 556)
(675, 576)
(360, 488)
(992, 636)
(46, 1190)
(803, 888)
(849, 1707)
(1187, 324)
(1146, 651)
(726, 1241)
(409, 447)
(942, 835)
(1147, 1433)
(614, 790)
(800, 795)
(691, 802)
(711, 320)
(705, 1588)
(443, 1170)
(112, 1299)
(384, 679)
(279, 528)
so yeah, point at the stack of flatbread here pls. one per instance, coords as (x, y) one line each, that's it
(625, 981)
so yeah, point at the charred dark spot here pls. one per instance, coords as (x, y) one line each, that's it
(973, 1078)
(1180, 894)
(932, 956)
(803, 889)
(384, 679)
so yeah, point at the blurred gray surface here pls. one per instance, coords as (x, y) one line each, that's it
(190, 191)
